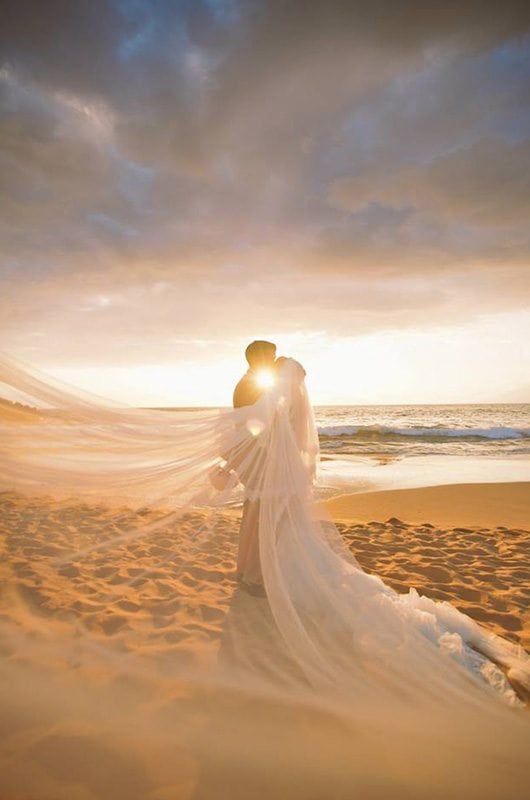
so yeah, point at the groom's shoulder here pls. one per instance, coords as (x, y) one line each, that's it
(241, 391)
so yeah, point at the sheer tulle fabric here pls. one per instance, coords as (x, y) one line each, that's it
(341, 633)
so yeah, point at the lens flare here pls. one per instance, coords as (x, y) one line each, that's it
(264, 378)
(255, 426)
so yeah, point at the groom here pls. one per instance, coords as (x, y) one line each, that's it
(260, 355)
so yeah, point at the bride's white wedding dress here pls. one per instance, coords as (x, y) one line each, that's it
(342, 625)
(345, 635)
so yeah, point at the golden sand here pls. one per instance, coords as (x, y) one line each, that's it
(83, 727)
(481, 505)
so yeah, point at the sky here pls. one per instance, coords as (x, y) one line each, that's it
(350, 180)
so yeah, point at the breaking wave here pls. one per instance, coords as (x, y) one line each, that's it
(375, 432)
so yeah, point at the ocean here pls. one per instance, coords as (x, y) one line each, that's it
(500, 430)
(367, 448)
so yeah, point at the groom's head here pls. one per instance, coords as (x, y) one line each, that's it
(260, 354)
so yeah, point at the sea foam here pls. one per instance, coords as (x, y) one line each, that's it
(375, 431)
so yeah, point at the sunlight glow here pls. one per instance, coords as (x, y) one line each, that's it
(483, 360)
(264, 378)
(255, 426)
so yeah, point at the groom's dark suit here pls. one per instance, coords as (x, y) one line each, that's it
(246, 393)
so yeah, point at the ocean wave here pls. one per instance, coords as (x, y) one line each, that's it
(382, 432)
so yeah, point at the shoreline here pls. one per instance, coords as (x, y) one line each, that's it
(361, 474)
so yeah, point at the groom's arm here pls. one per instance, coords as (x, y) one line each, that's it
(246, 393)
(237, 396)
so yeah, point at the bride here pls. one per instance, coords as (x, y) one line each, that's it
(349, 639)
(340, 623)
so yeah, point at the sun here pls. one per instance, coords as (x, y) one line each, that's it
(264, 378)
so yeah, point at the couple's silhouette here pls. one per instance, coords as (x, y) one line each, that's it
(261, 357)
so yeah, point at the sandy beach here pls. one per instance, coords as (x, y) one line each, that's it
(447, 542)
(136, 599)
(480, 505)
(466, 543)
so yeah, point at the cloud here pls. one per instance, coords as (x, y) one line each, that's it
(485, 185)
(278, 165)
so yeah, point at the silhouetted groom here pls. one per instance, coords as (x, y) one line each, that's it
(260, 355)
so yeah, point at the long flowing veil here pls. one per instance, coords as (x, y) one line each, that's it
(324, 631)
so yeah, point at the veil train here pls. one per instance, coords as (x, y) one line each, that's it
(326, 630)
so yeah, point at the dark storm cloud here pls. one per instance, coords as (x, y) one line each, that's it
(297, 152)
(486, 185)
